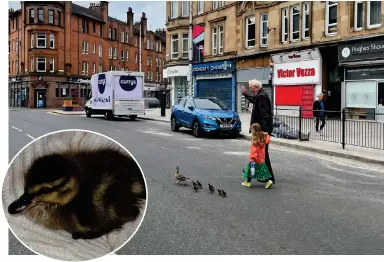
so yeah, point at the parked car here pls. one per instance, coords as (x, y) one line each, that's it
(204, 115)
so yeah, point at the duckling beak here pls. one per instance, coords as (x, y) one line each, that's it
(20, 204)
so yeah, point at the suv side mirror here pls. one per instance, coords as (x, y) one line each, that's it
(191, 108)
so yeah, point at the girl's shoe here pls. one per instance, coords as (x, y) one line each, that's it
(246, 184)
(268, 184)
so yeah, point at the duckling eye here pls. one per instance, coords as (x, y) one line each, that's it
(44, 190)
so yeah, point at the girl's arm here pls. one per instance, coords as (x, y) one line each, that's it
(267, 139)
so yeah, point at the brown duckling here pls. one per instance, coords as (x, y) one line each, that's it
(179, 176)
(86, 193)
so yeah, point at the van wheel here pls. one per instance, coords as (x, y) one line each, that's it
(133, 118)
(108, 115)
(88, 112)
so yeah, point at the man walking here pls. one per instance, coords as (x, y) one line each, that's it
(261, 113)
(319, 112)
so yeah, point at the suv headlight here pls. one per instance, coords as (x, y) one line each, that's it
(236, 118)
(210, 118)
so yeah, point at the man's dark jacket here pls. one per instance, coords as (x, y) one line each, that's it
(317, 109)
(262, 110)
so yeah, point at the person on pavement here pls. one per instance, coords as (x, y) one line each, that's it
(256, 167)
(261, 114)
(319, 112)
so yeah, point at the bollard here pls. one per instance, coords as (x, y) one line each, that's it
(162, 103)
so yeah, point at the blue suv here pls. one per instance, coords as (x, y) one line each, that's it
(204, 114)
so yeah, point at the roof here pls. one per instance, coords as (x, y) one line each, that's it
(86, 12)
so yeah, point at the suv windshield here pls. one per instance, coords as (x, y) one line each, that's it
(210, 104)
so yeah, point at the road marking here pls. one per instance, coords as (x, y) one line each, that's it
(31, 137)
(156, 133)
(237, 153)
(17, 129)
(193, 147)
(330, 160)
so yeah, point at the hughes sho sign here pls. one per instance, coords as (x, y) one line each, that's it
(362, 51)
(296, 73)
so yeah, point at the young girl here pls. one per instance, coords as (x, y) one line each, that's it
(257, 168)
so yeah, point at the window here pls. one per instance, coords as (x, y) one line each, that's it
(41, 64)
(217, 39)
(264, 30)
(157, 62)
(115, 53)
(9, 47)
(17, 46)
(157, 77)
(126, 55)
(40, 13)
(174, 47)
(330, 18)
(373, 14)
(94, 48)
(31, 16)
(100, 30)
(126, 37)
(200, 7)
(115, 68)
(110, 68)
(52, 65)
(185, 8)
(295, 23)
(160, 77)
(93, 27)
(100, 68)
(51, 17)
(160, 47)
(52, 41)
(110, 51)
(250, 31)
(136, 40)
(217, 4)
(305, 21)
(136, 58)
(110, 33)
(185, 46)
(32, 40)
(148, 43)
(41, 41)
(32, 64)
(85, 67)
(284, 26)
(114, 34)
(122, 55)
(174, 9)
(151, 75)
(148, 60)
(94, 68)
(100, 50)
(59, 18)
(122, 37)
(85, 47)
(358, 16)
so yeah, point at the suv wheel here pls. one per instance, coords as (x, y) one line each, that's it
(174, 126)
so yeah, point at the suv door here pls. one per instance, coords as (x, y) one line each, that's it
(179, 109)
(189, 114)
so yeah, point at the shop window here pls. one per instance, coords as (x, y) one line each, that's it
(358, 16)
(373, 14)
(295, 23)
(284, 26)
(185, 46)
(174, 9)
(306, 21)
(264, 30)
(250, 31)
(330, 18)
(174, 46)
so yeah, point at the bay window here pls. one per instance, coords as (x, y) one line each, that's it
(174, 46)
(41, 64)
(41, 41)
(52, 65)
(52, 41)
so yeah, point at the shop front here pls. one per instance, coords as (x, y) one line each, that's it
(363, 86)
(178, 76)
(297, 80)
(243, 77)
(215, 79)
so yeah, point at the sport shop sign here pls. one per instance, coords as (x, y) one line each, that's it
(297, 73)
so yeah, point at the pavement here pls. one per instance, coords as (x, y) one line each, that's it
(320, 204)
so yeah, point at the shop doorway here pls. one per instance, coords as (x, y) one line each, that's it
(40, 98)
(380, 101)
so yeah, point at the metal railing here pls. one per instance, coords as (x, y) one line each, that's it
(350, 128)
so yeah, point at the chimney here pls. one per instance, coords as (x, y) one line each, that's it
(130, 18)
(104, 11)
(143, 24)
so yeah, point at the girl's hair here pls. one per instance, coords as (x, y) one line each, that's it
(258, 137)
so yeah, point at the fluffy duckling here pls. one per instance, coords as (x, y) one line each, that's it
(179, 176)
(86, 193)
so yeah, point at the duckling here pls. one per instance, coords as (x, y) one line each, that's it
(211, 188)
(223, 193)
(86, 193)
(179, 176)
(199, 184)
(195, 186)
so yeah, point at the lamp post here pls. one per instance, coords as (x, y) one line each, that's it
(190, 55)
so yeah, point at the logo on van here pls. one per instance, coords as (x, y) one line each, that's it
(101, 83)
(128, 83)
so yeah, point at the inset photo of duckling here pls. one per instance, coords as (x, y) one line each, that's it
(74, 195)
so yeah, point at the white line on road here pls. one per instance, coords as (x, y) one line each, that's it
(17, 129)
(193, 147)
(31, 137)
(156, 133)
(237, 153)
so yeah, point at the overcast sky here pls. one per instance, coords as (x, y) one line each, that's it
(154, 10)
